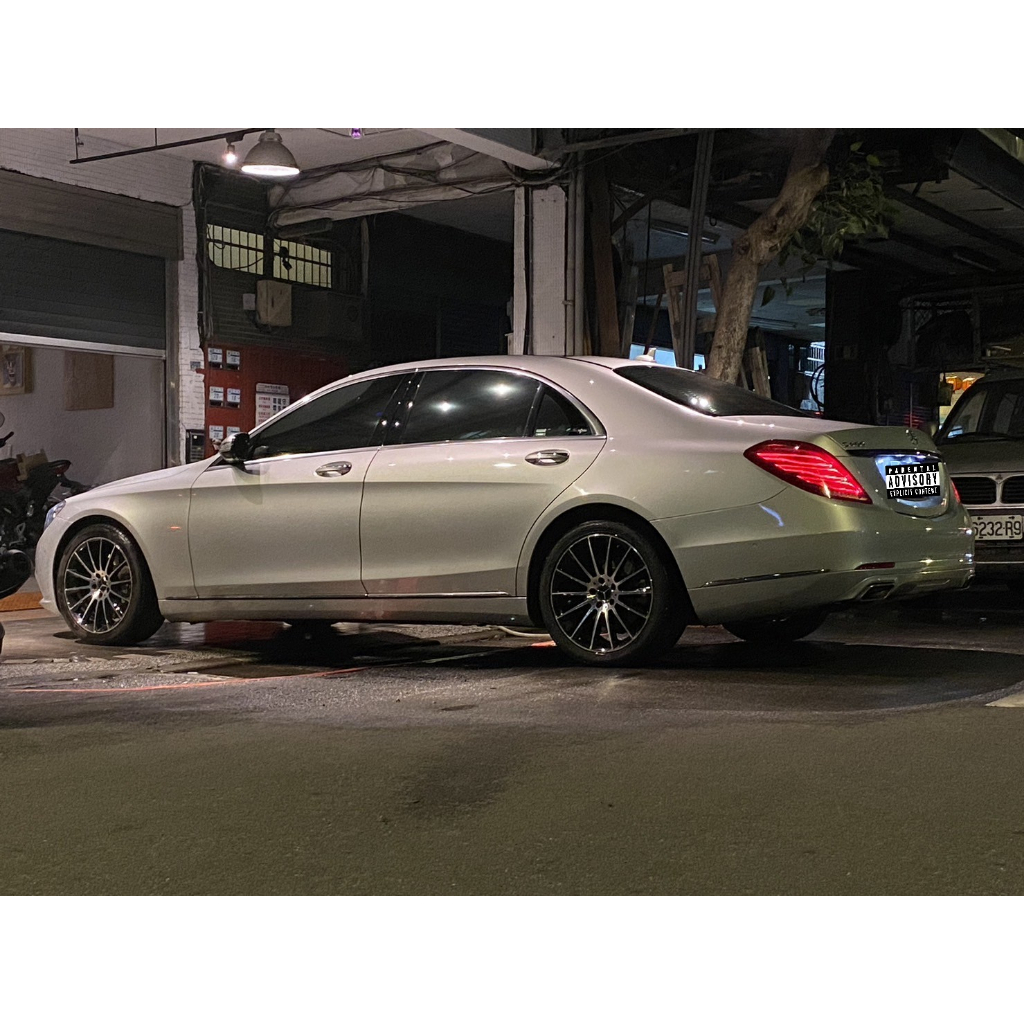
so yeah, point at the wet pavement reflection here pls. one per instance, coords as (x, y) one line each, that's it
(866, 660)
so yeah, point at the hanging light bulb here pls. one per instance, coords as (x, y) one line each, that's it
(230, 157)
(270, 158)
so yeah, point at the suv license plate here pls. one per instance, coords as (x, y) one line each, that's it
(1000, 527)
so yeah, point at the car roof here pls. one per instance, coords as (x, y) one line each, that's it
(1001, 373)
(524, 362)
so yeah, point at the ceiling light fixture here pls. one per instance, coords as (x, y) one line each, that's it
(230, 157)
(270, 158)
(357, 133)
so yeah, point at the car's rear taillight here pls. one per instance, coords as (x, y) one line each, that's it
(956, 493)
(807, 466)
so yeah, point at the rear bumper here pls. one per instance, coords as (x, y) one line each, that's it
(999, 561)
(791, 593)
(799, 551)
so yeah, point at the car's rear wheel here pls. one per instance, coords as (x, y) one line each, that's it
(779, 629)
(607, 597)
(104, 589)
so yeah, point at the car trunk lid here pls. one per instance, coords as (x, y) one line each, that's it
(899, 467)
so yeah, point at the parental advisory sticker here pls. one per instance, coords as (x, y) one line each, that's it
(916, 481)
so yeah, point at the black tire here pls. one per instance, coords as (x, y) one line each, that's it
(778, 629)
(607, 597)
(104, 589)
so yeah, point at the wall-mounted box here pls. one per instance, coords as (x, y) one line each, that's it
(274, 303)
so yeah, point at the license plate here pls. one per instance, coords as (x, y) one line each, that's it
(915, 481)
(999, 527)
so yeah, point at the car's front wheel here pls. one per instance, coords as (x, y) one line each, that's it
(104, 590)
(779, 629)
(607, 597)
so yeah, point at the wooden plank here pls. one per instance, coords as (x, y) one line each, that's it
(654, 320)
(757, 365)
(630, 282)
(672, 295)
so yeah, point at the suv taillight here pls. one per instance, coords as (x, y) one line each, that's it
(807, 466)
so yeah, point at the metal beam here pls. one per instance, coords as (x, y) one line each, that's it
(685, 344)
(617, 140)
(980, 160)
(510, 145)
(951, 220)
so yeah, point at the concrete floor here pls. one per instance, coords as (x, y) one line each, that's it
(882, 756)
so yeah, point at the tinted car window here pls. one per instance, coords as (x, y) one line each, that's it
(467, 405)
(994, 409)
(704, 394)
(558, 417)
(344, 418)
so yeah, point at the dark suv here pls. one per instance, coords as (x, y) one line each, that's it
(982, 441)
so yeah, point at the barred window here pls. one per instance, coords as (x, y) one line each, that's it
(293, 261)
(303, 264)
(234, 250)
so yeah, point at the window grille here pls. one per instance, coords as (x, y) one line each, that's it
(234, 250)
(293, 261)
(303, 264)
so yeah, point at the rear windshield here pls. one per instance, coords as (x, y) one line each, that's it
(704, 394)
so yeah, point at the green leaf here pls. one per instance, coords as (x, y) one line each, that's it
(769, 294)
(855, 148)
(873, 160)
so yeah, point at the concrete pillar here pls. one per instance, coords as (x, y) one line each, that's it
(548, 278)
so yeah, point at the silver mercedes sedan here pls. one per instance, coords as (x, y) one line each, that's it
(610, 502)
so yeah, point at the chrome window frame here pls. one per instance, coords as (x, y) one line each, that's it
(595, 425)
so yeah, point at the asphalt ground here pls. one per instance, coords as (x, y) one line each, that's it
(880, 756)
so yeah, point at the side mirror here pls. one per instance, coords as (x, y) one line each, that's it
(234, 449)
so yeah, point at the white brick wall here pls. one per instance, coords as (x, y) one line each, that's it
(45, 152)
(157, 177)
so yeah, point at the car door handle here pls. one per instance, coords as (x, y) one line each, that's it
(333, 469)
(550, 457)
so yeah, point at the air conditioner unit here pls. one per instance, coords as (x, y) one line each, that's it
(274, 303)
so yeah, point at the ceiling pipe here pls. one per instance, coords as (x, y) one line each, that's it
(232, 136)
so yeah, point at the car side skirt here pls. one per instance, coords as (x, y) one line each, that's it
(462, 610)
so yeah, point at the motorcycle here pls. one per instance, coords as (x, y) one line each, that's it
(23, 508)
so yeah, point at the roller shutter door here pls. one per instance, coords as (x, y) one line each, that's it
(56, 289)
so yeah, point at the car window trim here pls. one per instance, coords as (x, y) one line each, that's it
(395, 432)
(531, 423)
(376, 440)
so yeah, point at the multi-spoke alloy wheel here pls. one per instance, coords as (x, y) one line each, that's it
(97, 584)
(601, 592)
(607, 597)
(104, 590)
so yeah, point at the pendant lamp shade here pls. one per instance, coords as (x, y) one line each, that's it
(270, 158)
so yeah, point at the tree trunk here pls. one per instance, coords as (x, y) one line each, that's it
(760, 244)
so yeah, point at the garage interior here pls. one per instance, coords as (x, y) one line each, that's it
(396, 244)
